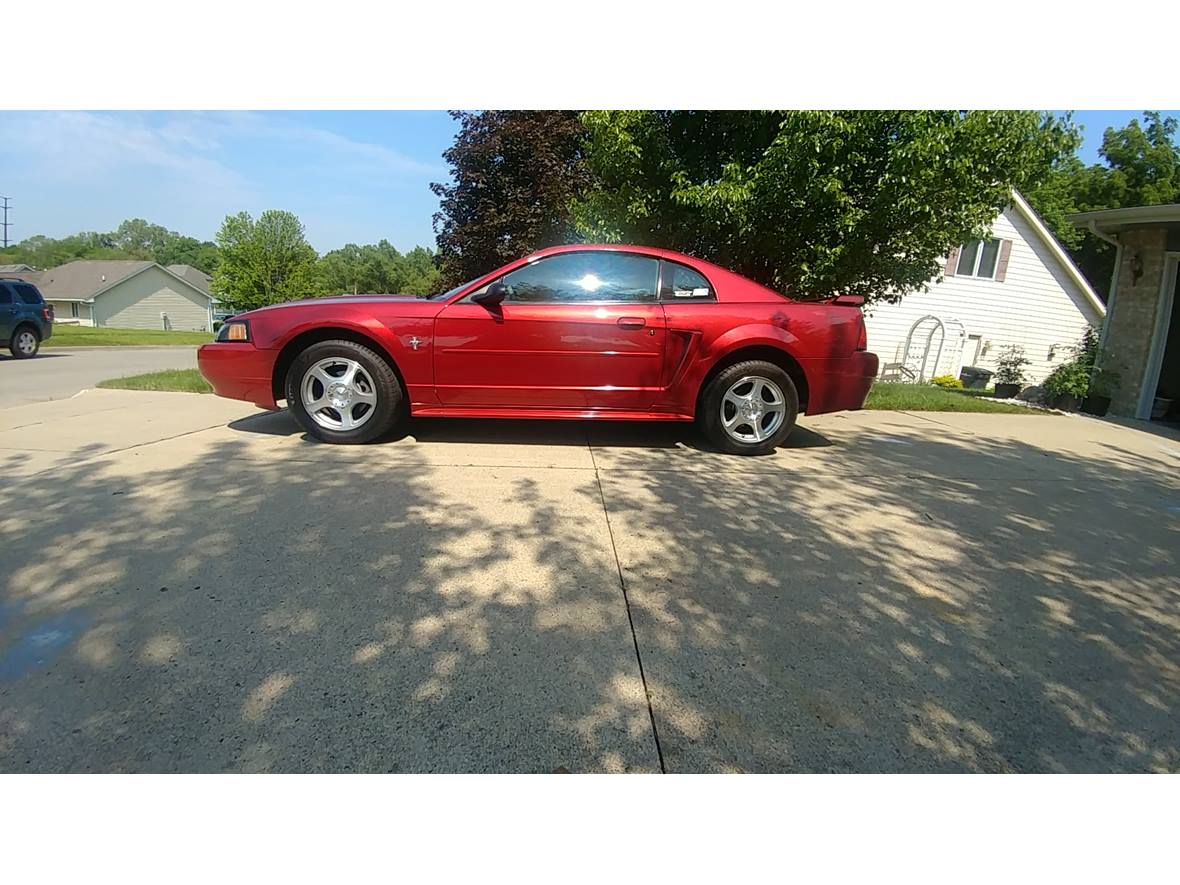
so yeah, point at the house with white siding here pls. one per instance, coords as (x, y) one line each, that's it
(126, 294)
(1017, 287)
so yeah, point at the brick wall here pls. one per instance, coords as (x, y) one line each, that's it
(1131, 321)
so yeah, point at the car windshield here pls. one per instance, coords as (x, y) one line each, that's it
(447, 294)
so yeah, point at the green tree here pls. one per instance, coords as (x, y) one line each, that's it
(1140, 166)
(514, 175)
(138, 238)
(134, 238)
(200, 254)
(813, 202)
(378, 268)
(265, 261)
(422, 275)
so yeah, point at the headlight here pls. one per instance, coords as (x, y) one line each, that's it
(234, 330)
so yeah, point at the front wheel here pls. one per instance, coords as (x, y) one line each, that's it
(749, 408)
(25, 343)
(343, 392)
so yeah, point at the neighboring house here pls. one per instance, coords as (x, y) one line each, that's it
(1019, 287)
(1141, 337)
(126, 294)
(14, 268)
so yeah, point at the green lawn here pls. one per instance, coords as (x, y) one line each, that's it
(184, 380)
(87, 336)
(928, 398)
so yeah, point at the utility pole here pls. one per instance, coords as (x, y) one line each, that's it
(5, 199)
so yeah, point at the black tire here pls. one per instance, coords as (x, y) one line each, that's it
(387, 412)
(18, 348)
(709, 411)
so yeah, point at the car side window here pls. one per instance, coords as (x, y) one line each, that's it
(27, 293)
(679, 282)
(574, 277)
(5, 294)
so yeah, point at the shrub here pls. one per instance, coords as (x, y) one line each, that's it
(1069, 379)
(1010, 365)
(947, 382)
(1074, 378)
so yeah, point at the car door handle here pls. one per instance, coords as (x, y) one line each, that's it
(631, 322)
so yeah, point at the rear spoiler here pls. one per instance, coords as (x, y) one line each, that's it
(848, 300)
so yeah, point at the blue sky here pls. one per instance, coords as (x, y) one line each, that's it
(1094, 123)
(350, 176)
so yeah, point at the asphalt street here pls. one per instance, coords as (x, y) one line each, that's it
(59, 373)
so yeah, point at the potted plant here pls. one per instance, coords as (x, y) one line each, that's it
(1103, 383)
(1010, 370)
(1068, 384)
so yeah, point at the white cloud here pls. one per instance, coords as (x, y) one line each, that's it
(188, 170)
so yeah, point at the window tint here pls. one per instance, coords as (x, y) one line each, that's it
(27, 293)
(585, 276)
(682, 282)
(5, 294)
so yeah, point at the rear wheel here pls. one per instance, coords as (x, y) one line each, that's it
(749, 408)
(343, 392)
(25, 342)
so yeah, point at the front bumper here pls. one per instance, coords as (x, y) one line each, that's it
(238, 370)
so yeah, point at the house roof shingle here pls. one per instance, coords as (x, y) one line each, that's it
(80, 280)
(193, 276)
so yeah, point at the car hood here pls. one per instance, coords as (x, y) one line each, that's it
(339, 299)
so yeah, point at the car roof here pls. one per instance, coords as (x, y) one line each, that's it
(617, 247)
(714, 272)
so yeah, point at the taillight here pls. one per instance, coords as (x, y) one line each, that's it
(862, 340)
(47, 313)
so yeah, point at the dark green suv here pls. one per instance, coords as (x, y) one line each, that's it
(25, 319)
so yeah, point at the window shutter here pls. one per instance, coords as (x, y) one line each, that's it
(1002, 266)
(952, 261)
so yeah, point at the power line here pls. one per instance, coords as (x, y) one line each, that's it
(5, 222)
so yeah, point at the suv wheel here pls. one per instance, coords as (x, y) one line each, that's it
(749, 408)
(25, 342)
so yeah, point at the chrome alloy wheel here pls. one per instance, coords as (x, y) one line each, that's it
(338, 394)
(26, 342)
(753, 409)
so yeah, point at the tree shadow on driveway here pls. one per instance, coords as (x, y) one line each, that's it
(887, 602)
(947, 603)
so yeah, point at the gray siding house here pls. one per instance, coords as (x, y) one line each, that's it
(127, 294)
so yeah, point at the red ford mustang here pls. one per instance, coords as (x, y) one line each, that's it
(614, 332)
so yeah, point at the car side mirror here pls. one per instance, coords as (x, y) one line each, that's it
(491, 296)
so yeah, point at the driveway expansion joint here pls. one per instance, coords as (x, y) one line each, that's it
(655, 733)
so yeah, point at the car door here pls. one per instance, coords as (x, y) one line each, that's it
(576, 330)
(8, 308)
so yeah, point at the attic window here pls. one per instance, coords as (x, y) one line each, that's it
(984, 259)
(979, 258)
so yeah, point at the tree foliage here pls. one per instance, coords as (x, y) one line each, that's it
(378, 268)
(264, 261)
(135, 238)
(813, 203)
(1140, 166)
(514, 175)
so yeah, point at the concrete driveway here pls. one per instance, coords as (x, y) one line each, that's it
(190, 585)
(59, 373)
